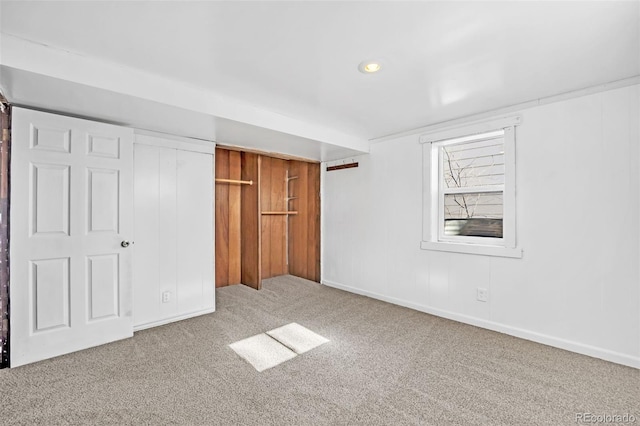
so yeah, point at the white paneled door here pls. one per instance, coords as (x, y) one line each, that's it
(71, 220)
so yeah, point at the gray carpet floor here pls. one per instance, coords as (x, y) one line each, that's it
(384, 365)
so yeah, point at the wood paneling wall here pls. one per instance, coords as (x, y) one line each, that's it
(273, 195)
(228, 218)
(251, 246)
(304, 228)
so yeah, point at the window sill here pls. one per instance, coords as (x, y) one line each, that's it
(483, 250)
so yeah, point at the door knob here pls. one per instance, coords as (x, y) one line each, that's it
(125, 244)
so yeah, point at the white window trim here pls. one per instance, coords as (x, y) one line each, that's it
(503, 247)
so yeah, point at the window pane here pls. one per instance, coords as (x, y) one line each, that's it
(473, 214)
(473, 164)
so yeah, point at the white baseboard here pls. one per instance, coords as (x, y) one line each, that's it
(164, 321)
(569, 345)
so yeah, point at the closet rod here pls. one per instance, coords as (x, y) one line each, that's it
(241, 182)
(280, 212)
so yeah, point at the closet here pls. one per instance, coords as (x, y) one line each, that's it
(173, 204)
(267, 218)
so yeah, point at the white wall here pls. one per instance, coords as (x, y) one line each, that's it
(578, 190)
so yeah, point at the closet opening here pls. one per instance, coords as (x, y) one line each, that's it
(267, 217)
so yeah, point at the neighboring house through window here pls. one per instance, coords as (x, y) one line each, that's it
(470, 189)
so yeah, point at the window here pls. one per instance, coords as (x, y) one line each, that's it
(470, 189)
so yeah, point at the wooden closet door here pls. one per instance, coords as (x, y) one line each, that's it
(250, 220)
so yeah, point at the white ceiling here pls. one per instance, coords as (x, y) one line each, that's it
(46, 93)
(441, 60)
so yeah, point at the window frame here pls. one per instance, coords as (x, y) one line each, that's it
(433, 192)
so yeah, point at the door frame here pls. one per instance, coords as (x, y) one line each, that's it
(5, 170)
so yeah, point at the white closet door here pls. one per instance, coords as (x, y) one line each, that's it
(71, 209)
(174, 264)
(195, 239)
(155, 234)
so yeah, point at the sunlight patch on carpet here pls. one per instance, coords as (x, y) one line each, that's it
(276, 346)
(297, 338)
(262, 352)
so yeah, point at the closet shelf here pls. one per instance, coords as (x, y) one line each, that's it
(273, 213)
(241, 182)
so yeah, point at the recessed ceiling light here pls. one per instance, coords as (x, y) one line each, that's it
(369, 67)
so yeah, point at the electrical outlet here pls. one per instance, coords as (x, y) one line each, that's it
(166, 297)
(483, 294)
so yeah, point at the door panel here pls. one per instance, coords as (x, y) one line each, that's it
(194, 201)
(167, 230)
(50, 285)
(71, 208)
(146, 274)
(50, 199)
(103, 196)
(104, 286)
(103, 146)
(47, 136)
